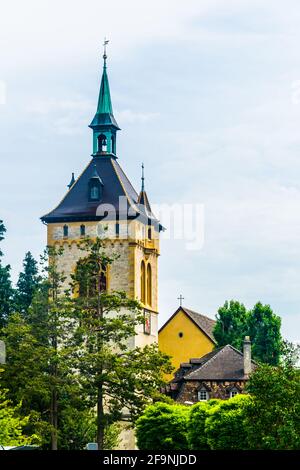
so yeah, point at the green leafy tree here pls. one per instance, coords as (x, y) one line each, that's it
(79, 426)
(197, 437)
(231, 326)
(225, 426)
(6, 290)
(264, 331)
(163, 427)
(234, 322)
(12, 424)
(114, 377)
(27, 284)
(273, 415)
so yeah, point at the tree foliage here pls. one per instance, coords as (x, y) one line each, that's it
(115, 377)
(27, 284)
(224, 427)
(12, 424)
(234, 322)
(6, 290)
(273, 419)
(231, 326)
(197, 437)
(163, 427)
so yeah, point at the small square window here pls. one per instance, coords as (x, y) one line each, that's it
(202, 395)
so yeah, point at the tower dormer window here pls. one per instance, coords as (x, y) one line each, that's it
(95, 193)
(102, 143)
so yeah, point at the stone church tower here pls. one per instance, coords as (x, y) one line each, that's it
(102, 202)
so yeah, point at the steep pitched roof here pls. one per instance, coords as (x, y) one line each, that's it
(76, 206)
(226, 363)
(205, 324)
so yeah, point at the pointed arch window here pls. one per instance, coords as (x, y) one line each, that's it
(143, 282)
(102, 143)
(149, 285)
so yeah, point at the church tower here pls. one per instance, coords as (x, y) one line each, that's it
(102, 202)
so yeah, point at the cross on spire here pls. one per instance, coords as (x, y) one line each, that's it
(180, 298)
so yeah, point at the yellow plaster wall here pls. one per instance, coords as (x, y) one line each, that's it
(194, 343)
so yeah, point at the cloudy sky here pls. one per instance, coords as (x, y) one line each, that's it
(207, 94)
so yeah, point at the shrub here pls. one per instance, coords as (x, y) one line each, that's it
(197, 438)
(225, 427)
(163, 427)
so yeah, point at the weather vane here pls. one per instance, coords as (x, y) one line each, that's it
(143, 178)
(106, 41)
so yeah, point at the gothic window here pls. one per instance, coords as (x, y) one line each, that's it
(203, 395)
(90, 280)
(102, 143)
(149, 285)
(143, 283)
(149, 234)
(113, 144)
(66, 231)
(82, 230)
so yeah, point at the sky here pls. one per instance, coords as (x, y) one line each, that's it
(207, 94)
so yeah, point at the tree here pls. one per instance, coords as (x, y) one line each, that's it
(27, 284)
(273, 417)
(114, 377)
(231, 325)
(234, 322)
(224, 427)
(6, 290)
(163, 427)
(264, 331)
(197, 437)
(39, 367)
(12, 424)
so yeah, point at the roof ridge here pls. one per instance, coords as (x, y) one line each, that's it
(200, 314)
(211, 359)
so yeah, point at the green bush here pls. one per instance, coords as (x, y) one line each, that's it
(197, 438)
(273, 416)
(163, 427)
(225, 428)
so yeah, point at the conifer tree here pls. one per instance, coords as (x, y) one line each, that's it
(114, 376)
(6, 290)
(27, 284)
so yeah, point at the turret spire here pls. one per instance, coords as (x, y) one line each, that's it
(104, 124)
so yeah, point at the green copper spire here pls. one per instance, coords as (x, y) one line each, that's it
(104, 114)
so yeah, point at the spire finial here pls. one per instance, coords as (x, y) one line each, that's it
(106, 41)
(143, 178)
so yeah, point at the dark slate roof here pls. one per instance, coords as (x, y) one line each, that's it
(226, 363)
(206, 324)
(75, 206)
